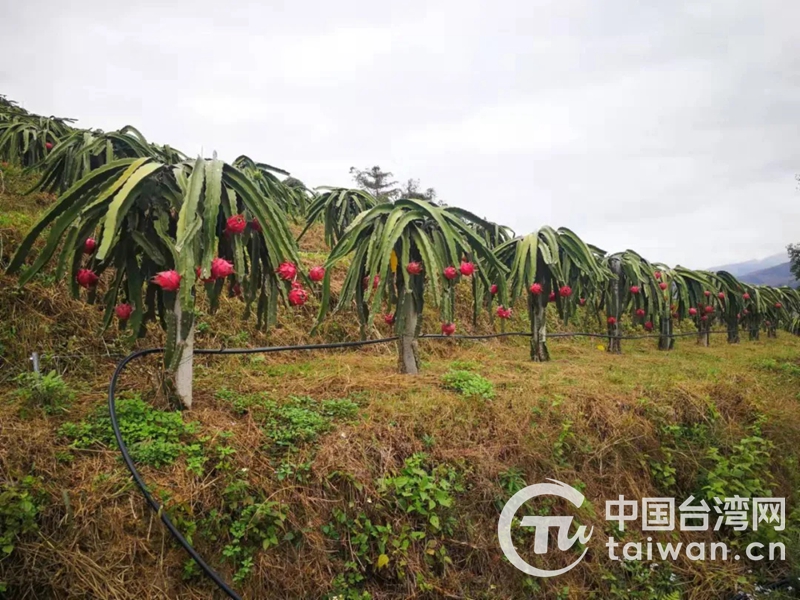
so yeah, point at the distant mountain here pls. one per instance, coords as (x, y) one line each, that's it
(754, 266)
(775, 276)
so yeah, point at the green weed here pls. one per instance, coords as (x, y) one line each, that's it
(154, 437)
(468, 384)
(48, 391)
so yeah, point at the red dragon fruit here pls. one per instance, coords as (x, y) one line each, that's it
(536, 289)
(611, 320)
(89, 245)
(693, 311)
(389, 319)
(316, 273)
(503, 313)
(450, 273)
(169, 281)
(662, 285)
(286, 271)
(494, 289)
(634, 289)
(221, 268)
(648, 326)
(448, 328)
(236, 224)
(297, 296)
(375, 282)
(582, 301)
(640, 312)
(467, 269)
(123, 311)
(256, 226)
(746, 296)
(414, 268)
(86, 278)
(709, 309)
(565, 291)
(551, 297)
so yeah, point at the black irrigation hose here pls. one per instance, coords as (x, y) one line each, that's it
(138, 478)
(159, 509)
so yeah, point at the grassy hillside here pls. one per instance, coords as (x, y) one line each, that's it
(327, 475)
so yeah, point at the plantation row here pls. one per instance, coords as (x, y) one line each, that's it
(142, 227)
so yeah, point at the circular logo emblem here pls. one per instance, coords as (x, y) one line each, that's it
(542, 526)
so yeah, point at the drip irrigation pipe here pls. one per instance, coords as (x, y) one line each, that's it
(159, 509)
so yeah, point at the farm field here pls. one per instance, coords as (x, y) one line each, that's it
(317, 443)
(372, 473)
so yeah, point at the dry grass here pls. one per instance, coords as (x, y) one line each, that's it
(107, 545)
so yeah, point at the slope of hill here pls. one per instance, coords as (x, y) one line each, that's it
(776, 276)
(751, 266)
(328, 475)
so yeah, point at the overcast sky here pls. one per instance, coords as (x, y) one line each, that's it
(667, 126)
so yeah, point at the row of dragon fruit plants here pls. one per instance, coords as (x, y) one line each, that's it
(142, 228)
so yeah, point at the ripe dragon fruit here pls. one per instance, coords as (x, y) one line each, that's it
(494, 289)
(316, 273)
(467, 269)
(721, 295)
(297, 296)
(582, 301)
(662, 285)
(565, 291)
(693, 311)
(221, 268)
(450, 273)
(648, 326)
(503, 313)
(634, 289)
(375, 282)
(778, 305)
(169, 281)
(657, 274)
(746, 296)
(86, 278)
(236, 224)
(707, 293)
(89, 246)
(448, 328)
(536, 289)
(709, 309)
(389, 319)
(551, 297)
(286, 271)
(640, 312)
(414, 268)
(123, 311)
(611, 320)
